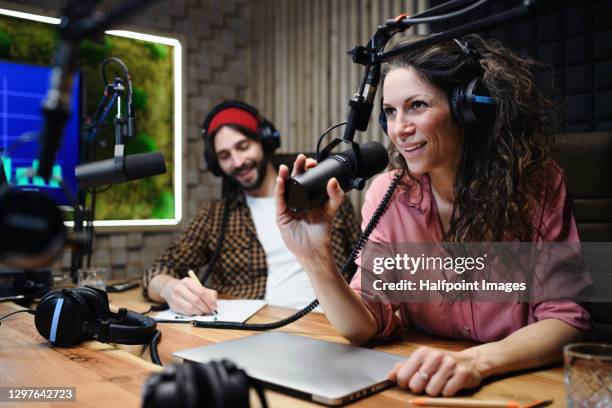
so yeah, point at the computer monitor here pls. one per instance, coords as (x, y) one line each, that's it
(22, 90)
(155, 66)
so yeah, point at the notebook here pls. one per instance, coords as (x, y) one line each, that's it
(238, 310)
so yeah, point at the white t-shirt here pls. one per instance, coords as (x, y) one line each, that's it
(287, 284)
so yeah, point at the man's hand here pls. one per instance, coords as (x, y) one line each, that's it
(437, 372)
(187, 297)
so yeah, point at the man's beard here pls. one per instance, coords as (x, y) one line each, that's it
(261, 173)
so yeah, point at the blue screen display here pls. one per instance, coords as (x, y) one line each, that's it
(22, 90)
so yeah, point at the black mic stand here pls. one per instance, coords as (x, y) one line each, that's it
(112, 94)
(76, 255)
(83, 219)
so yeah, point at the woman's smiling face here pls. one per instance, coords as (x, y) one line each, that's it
(419, 122)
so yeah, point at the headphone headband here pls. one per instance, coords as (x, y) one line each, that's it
(125, 327)
(467, 48)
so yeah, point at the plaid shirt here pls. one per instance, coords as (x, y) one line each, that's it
(241, 268)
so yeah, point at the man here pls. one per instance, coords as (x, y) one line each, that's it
(252, 260)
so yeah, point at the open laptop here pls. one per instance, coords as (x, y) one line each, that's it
(324, 372)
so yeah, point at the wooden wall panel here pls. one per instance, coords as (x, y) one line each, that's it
(301, 76)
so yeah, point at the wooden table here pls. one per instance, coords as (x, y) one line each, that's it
(102, 372)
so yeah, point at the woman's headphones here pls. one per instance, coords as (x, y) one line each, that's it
(218, 384)
(236, 113)
(66, 317)
(470, 103)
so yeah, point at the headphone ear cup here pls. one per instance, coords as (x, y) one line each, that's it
(382, 118)
(60, 316)
(382, 121)
(466, 108)
(217, 384)
(269, 136)
(456, 105)
(161, 389)
(212, 388)
(188, 386)
(239, 384)
(97, 302)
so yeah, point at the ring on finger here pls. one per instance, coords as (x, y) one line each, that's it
(423, 375)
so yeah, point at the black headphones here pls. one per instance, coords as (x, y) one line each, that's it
(218, 384)
(65, 317)
(267, 133)
(470, 103)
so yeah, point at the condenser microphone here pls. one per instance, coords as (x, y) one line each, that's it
(309, 189)
(120, 169)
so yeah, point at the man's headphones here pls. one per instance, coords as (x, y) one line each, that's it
(236, 113)
(470, 103)
(65, 317)
(218, 384)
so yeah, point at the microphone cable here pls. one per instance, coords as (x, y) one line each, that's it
(30, 311)
(153, 348)
(130, 92)
(324, 134)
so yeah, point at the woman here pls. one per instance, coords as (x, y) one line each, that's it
(492, 180)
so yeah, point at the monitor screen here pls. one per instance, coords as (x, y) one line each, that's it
(22, 90)
(155, 66)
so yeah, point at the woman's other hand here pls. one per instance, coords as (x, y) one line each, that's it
(437, 372)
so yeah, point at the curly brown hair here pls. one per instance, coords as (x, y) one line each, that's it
(505, 166)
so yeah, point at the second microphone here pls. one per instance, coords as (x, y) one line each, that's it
(120, 169)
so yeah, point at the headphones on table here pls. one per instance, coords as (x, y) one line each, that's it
(218, 384)
(66, 317)
(470, 103)
(236, 113)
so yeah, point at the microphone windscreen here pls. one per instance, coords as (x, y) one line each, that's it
(375, 159)
(143, 165)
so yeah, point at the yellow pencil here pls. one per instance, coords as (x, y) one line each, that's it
(194, 278)
(457, 402)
